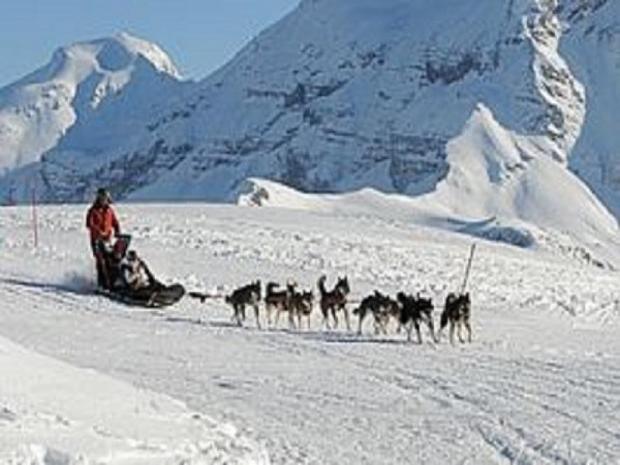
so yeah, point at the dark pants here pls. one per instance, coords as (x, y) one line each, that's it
(107, 262)
(100, 254)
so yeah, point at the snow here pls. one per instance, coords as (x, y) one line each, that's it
(263, 193)
(591, 50)
(54, 414)
(500, 185)
(343, 95)
(490, 114)
(512, 179)
(152, 52)
(522, 199)
(539, 384)
(83, 81)
(424, 129)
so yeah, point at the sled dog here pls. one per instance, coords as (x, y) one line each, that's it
(416, 310)
(456, 313)
(334, 300)
(382, 308)
(249, 295)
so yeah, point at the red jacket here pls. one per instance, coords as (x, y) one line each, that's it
(102, 222)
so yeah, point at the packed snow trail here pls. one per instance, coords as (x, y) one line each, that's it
(539, 385)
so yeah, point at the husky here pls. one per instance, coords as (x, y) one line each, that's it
(280, 301)
(302, 304)
(456, 312)
(382, 307)
(413, 311)
(243, 296)
(334, 300)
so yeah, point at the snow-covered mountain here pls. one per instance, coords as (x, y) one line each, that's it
(107, 86)
(485, 109)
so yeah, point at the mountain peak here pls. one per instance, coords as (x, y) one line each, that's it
(114, 54)
(37, 111)
(149, 50)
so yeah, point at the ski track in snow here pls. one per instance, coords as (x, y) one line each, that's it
(539, 385)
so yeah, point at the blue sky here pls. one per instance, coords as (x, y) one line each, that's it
(200, 35)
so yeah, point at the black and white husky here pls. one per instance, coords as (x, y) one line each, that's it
(381, 307)
(302, 304)
(334, 301)
(279, 300)
(416, 310)
(457, 313)
(249, 295)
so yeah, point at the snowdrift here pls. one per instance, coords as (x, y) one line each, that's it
(54, 414)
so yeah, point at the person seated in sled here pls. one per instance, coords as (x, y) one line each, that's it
(137, 278)
(103, 225)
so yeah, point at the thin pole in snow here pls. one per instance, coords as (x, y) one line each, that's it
(35, 225)
(468, 269)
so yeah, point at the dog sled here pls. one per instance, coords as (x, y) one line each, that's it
(153, 295)
(163, 297)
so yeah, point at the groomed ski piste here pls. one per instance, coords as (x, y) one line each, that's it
(87, 380)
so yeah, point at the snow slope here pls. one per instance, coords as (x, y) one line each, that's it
(113, 80)
(505, 185)
(500, 186)
(539, 385)
(55, 414)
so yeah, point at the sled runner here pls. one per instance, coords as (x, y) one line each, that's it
(164, 297)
